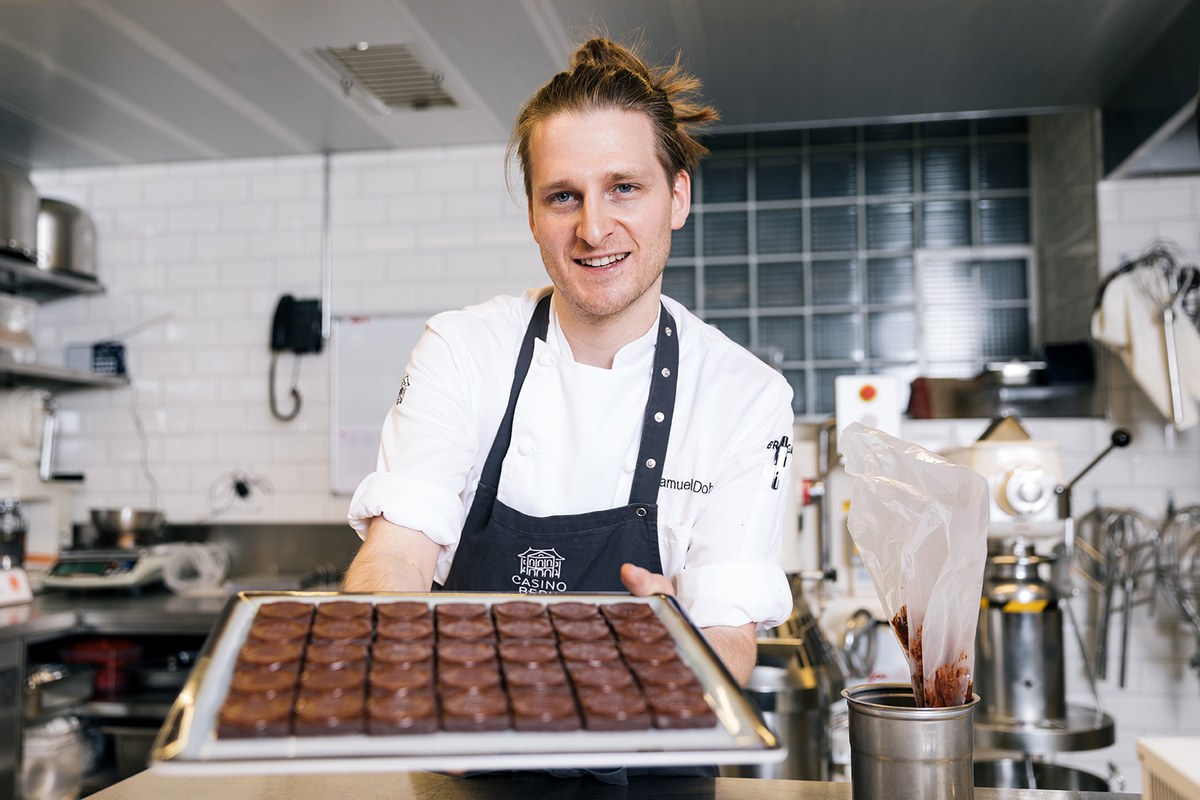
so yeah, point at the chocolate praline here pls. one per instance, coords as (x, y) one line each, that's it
(401, 714)
(270, 655)
(628, 610)
(569, 609)
(466, 654)
(620, 710)
(468, 679)
(593, 653)
(531, 653)
(385, 679)
(466, 629)
(344, 609)
(341, 631)
(280, 683)
(323, 714)
(405, 630)
(406, 609)
(475, 711)
(518, 609)
(401, 653)
(251, 716)
(520, 628)
(285, 609)
(545, 712)
(460, 610)
(335, 656)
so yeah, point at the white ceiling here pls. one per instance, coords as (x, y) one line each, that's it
(91, 82)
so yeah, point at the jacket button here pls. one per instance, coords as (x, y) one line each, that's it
(659, 416)
(650, 462)
(641, 512)
(525, 448)
(666, 373)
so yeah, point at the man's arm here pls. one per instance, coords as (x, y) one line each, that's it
(737, 646)
(392, 559)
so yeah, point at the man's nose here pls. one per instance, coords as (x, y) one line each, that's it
(595, 221)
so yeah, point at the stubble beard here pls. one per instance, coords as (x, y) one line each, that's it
(605, 305)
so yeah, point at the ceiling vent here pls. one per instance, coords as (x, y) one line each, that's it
(386, 77)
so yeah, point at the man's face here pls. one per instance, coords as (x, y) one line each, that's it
(602, 211)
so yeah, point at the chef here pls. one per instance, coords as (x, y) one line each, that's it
(592, 435)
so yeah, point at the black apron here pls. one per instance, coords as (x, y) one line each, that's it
(503, 550)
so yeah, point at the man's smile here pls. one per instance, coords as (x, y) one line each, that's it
(601, 261)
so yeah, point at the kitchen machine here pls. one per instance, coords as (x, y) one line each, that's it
(1019, 648)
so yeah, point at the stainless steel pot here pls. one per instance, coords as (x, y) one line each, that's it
(66, 238)
(18, 213)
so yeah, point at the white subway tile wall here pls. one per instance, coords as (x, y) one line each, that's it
(202, 252)
(207, 248)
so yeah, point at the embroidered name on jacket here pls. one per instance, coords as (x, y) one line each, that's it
(539, 572)
(693, 485)
(403, 387)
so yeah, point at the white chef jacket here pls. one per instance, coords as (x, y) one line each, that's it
(575, 441)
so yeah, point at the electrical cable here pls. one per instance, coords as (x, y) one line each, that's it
(296, 402)
(195, 568)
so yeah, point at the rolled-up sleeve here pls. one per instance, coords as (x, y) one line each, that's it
(731, 575)
(427, 450)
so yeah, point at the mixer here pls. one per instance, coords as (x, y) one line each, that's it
(1020, 675)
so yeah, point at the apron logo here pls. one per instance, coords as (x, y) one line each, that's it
(539, 572)
(403, 387)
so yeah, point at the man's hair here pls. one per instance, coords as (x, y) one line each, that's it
(607, 75)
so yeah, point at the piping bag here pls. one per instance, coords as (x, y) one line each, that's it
(920, 522)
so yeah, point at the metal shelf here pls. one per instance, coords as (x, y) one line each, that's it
(151, 705)
(56, 378)
(21, 277)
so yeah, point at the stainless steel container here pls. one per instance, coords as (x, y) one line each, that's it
(791, 704)
(66, 238)
(1019, 662)
(18, 213)
(902, 752)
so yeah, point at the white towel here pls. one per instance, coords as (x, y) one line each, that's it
(1131, 325)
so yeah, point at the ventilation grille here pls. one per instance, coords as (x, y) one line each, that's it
(391, 76)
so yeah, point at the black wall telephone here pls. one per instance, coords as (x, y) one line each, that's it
(297, 326)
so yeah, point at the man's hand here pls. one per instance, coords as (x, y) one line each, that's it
(737, 646)
(643, 582)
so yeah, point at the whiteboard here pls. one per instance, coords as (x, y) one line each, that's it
(370, 355)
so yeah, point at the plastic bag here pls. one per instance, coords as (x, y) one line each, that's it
(920, 524)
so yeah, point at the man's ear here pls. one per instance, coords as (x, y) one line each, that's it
(681, 199)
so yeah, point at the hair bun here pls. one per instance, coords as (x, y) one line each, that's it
(602, 52)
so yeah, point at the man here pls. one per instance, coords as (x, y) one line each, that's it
(594, 435)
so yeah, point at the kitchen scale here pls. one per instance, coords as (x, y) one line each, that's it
(109, 569)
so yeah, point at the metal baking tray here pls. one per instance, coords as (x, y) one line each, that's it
(187, 743)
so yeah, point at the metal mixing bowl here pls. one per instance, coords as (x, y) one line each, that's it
(109, 521)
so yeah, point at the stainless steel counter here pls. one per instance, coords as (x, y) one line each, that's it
(428, 786)
(153, 611)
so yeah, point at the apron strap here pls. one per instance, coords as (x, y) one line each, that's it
(660, 409)
(538, 326)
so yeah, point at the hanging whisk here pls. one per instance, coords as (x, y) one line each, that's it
(1164, 282)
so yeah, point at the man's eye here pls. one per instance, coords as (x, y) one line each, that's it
(561, 197)
(625, 188)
